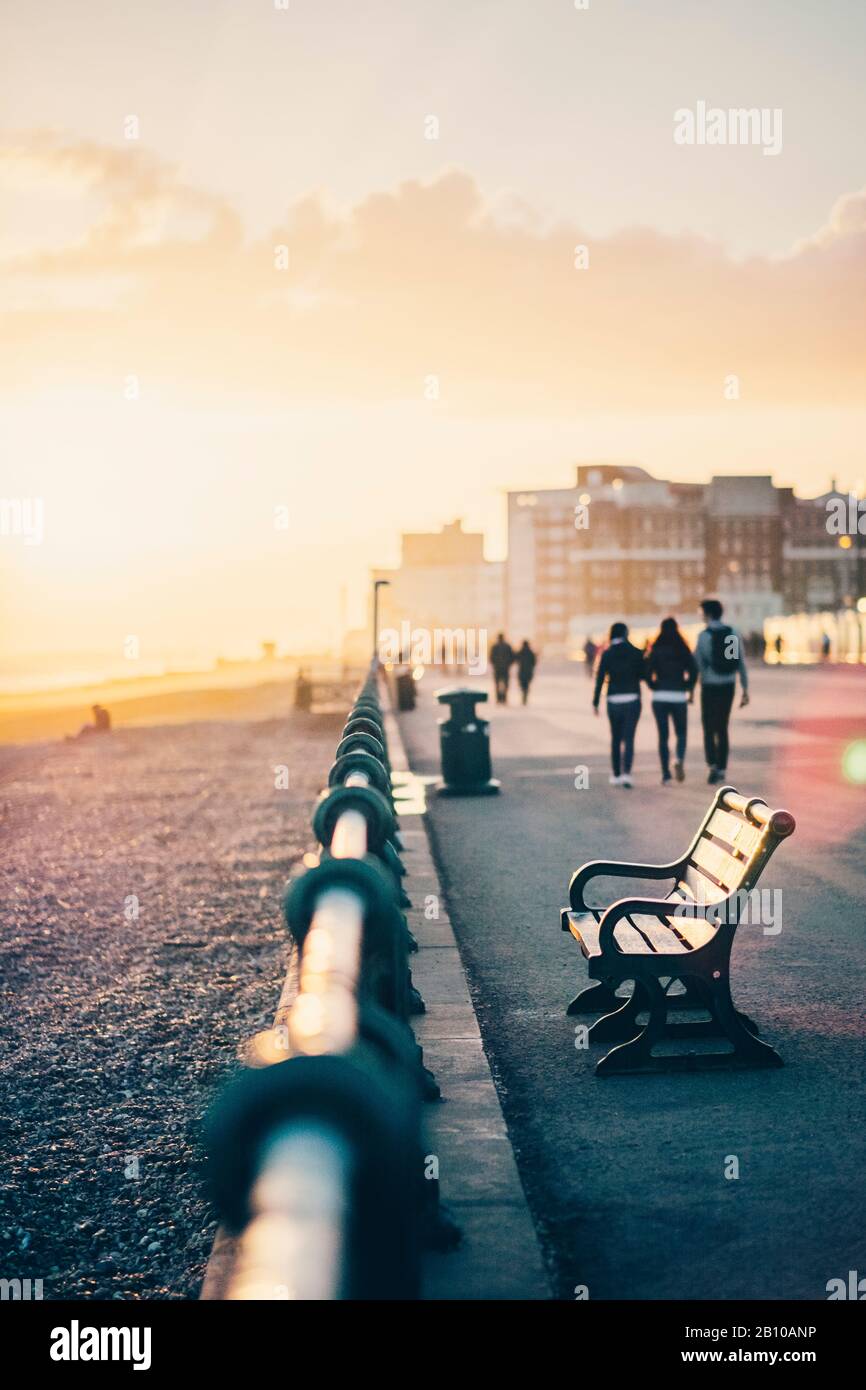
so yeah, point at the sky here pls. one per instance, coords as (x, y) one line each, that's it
(257, 321)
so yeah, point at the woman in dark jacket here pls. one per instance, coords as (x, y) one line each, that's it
(621, 666)
(671, 673)
(526, 660)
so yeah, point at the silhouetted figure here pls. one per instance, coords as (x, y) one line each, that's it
(825, 646)
(101, 724)
(501, 659)
(720, 658)
(621, 667)
(779, 644)
(303, 691)
(671, 674)
(590, 652)
(526, 663)
(101, 720)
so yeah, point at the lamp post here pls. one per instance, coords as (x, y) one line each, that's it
(377, 585)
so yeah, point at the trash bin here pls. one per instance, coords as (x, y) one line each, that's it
(464, 740)
(405, 683)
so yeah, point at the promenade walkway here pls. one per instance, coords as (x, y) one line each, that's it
(626, 1177)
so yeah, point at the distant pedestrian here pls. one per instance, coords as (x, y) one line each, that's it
(526, 663)
(621, 668)
(720, 658)
(825, 646)
(101, 720)
(590, 652)
(501, 659)
(303, 691)
(671, 674)
(779, 644)
(101, 724)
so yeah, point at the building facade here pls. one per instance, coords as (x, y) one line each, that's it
(443, 584)
(622, 544)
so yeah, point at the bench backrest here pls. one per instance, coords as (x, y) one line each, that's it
(729, 852)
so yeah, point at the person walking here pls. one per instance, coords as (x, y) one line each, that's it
(590, 652)
(526, 662)
(621, 668)
(502, 659)
(719, 654)
(671, 674)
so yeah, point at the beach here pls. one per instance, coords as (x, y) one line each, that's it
(142, 944)
(243, 690)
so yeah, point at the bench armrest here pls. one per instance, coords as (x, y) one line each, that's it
(616, 868)
(645, 907)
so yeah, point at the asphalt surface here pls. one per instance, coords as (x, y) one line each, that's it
(626, 1175)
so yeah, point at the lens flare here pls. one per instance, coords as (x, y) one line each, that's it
(854, 762)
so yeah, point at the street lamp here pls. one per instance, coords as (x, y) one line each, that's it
(377, 585)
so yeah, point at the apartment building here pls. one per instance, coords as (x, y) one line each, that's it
(623, 544)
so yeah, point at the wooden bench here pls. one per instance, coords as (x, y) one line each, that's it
(676, 949)
(317, 692)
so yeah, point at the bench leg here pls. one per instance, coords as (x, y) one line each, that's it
(636, 1055)
(698, 995)
(738, 1029)
(622, 1024)
(597, 999)
(691, 997)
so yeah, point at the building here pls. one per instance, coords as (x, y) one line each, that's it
(623, 544)
(443, 584)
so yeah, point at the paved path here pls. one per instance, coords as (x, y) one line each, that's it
(626, 1176)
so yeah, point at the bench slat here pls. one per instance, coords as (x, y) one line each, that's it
(712, 859)
(736, 831)
(661, 937)
(585, 930)
(695, 931)
(698, 888)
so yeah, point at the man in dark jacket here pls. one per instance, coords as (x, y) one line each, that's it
(501, 659)
(720, 658)
(621, 667)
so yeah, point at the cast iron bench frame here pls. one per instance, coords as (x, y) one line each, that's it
(686, 937)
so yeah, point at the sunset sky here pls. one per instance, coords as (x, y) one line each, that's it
(308, 388)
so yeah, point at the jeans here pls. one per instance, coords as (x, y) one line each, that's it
(623, 722)
(716, 702)
(500, 680)
(677, 712)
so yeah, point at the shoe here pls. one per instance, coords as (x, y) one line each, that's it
(680, 772)
(723, 774)
(666, 779)
(614, 781)
(625, 780)
(714, 776)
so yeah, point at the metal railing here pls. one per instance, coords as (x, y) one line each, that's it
(316, 1159)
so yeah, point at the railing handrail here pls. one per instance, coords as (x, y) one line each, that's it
(304, 1169)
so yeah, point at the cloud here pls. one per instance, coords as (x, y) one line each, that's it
(427, 278)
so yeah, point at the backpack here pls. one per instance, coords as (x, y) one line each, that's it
(724, 651)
